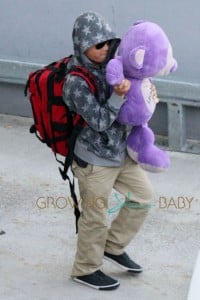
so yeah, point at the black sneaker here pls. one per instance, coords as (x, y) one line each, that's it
(124, 262)
(98, 280)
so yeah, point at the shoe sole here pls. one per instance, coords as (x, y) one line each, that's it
(105, 288)
(123, 267)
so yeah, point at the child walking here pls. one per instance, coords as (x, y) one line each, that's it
(100, 161)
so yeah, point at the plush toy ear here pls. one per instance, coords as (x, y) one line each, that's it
(138, 22)
(136, 57)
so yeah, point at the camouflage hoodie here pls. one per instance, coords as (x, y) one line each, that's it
(102, 141)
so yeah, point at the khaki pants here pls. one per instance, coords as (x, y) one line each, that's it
(94, 236)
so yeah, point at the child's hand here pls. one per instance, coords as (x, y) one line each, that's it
(122, 88)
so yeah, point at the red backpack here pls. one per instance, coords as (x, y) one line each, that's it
(54, 124)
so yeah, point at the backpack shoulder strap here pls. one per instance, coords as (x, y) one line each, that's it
(79, 122)
(87, 76)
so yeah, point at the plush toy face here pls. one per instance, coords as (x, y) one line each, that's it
(145, 51)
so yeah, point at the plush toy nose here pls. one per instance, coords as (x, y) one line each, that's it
(175, 66)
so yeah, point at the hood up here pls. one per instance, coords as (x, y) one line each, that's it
(90, 29)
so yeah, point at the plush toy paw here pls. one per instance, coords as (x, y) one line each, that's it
(141, 148)
(114, 71)
(152, 159)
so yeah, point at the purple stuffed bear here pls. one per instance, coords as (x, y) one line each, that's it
(144, 52)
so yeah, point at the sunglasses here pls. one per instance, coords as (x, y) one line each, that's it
(102, 44)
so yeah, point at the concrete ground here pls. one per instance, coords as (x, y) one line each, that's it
(37, 249)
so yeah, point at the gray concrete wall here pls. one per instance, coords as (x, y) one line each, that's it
(37, 32)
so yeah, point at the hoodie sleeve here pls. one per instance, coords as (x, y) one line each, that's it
(79, 98)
